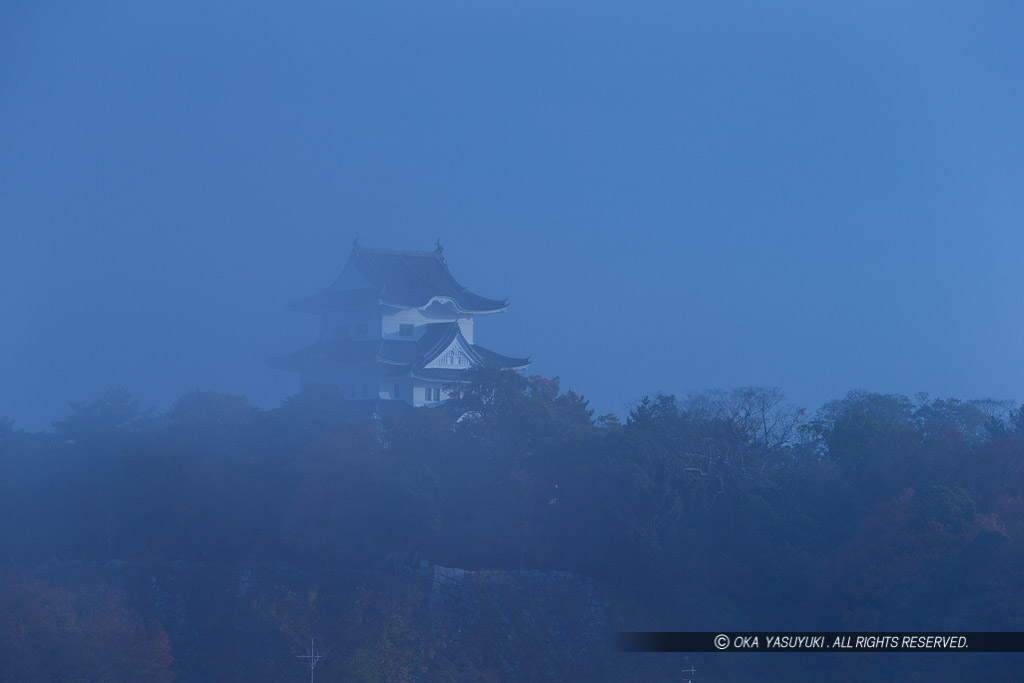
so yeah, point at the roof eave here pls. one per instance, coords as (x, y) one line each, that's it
(416, 375)
(442, 299)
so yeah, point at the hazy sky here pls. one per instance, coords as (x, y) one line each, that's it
(673, 195)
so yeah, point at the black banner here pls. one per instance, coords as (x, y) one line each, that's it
(819, 641)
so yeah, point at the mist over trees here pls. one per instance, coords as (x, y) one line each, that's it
(722, 510)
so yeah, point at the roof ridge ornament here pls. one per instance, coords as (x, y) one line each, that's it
(439, 249)
(356, 244)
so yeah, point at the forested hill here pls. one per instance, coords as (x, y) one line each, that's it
(728, 510)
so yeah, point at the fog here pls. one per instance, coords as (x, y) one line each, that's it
(673, 198)
(764, 259)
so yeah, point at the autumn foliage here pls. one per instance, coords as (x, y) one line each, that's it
(724, 510)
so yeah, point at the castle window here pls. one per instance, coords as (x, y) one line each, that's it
(405, 330)
(343, 331)
(366, 390)
(361, 330)
(398, 391)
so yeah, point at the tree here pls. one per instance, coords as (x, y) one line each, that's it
(50, 632)
(99, 423)
(872, 438)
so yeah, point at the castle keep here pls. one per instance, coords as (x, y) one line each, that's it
(395, 325)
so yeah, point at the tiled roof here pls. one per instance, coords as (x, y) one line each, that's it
(408, 356)
(401, 278)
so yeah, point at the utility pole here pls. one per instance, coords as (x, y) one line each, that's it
(313, 658)
(689, 670)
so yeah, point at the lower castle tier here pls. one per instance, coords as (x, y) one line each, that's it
(395, 325)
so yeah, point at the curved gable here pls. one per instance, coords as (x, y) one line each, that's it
(458, 354)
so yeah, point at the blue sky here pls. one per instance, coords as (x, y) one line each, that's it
(674, 196)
